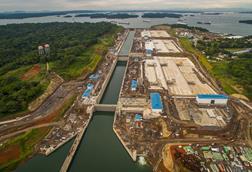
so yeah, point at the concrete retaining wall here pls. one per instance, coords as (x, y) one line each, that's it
(59, 145)
(105, 84)
(132, 154)
(74, 147)
(123, 58)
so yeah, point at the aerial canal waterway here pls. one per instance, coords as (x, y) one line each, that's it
(113, 89)
(100, 149)
(127, 44)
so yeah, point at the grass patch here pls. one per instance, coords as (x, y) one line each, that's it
(65, 107)
(219, 71)
(201, 57)
(26, 143)
(88, 61)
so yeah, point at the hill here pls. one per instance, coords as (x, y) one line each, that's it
(74, 48)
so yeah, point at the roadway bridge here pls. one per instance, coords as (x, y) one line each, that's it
(123, 58)
(105, 107)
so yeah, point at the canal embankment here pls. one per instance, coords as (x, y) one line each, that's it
(79, 136)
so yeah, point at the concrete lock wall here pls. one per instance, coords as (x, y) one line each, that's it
(105, 84)
(123, 58)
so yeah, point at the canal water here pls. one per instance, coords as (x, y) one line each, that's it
(113, 89)
(100, 149)
(127, 44)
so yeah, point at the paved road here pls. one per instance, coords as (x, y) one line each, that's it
(54, 102)
(29, 128)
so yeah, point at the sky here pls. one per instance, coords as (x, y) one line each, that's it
(36, 5)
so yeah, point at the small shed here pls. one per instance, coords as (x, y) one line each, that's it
(149, 47)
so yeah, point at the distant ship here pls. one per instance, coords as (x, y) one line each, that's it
(124, 23)
(208, 23)
(114, 22)
(147, 21)
(181, 23)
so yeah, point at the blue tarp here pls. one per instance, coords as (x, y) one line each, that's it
(88, 91)
(212, 96)
(156, 102)
(138, 117)
(133, 84)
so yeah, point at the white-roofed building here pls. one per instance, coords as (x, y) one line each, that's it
(149, 47)
(145, 34)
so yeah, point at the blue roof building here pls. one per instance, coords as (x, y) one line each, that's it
(156, 102)
(133, 85)
(212, 96)
(212, 99)
(138, 117)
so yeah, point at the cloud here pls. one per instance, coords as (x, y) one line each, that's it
(6, 5)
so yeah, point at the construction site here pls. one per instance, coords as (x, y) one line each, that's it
(166, 99)
(169, 113)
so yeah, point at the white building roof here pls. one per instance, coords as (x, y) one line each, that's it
(149, 45)
(146, 33)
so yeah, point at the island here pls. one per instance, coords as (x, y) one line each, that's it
(246, 21)
(161, 15)
(67, 16)
(211, 13)
(108, 16)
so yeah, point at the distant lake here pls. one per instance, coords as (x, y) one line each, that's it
(223, 23)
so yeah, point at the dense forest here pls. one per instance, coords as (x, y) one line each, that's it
(72, 45)
(213, 48)
(161, 15)
(188, 27)
(108, 16)
(233, 73)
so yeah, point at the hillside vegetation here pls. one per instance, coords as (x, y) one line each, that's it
(161, 15)
(75, 48)
(234, 76)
